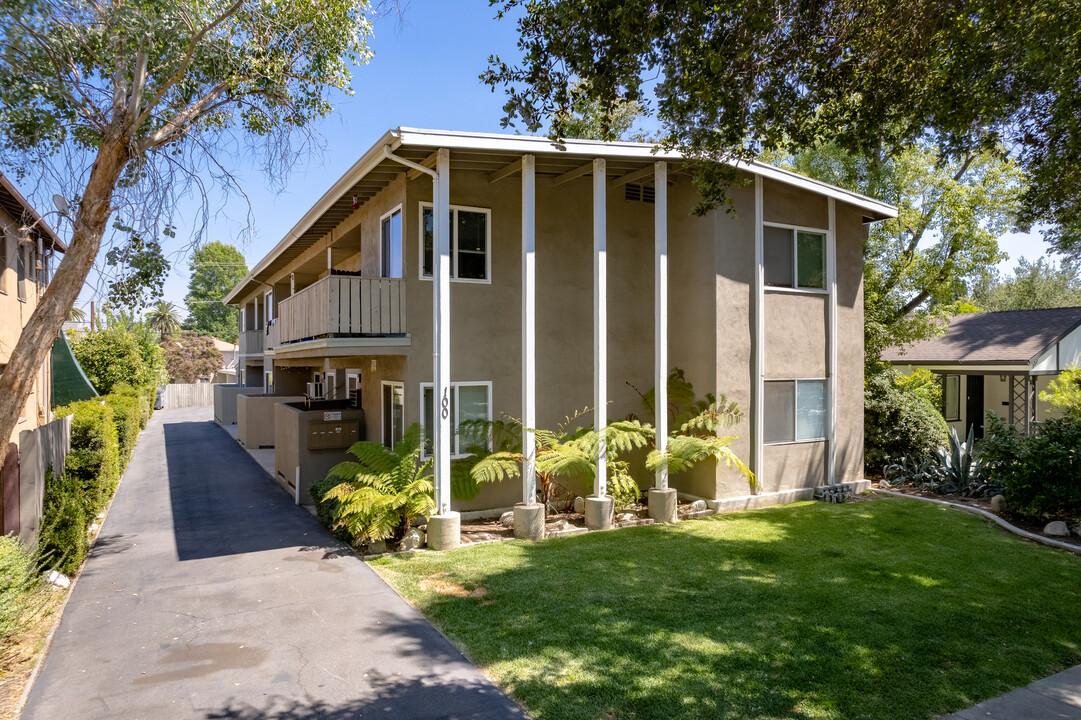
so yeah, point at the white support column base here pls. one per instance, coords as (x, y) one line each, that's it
(529, 521)
(663, 505)
(445, 531)
(600, 512)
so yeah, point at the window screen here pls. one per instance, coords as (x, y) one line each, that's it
(951, 397)
(810, 409)
(811, 251)
(20, 258)
(779, 408)
(778, 256)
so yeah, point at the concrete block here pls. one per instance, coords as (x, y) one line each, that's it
(663, 505)
(599, 512)
(445, 531)
(529, 521)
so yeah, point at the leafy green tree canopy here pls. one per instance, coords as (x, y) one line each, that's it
(1032, 286)
(216, 268)
(732, 79)
(191, 358)
(113, 356)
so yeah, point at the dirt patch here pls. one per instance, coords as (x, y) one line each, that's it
(439, 583)
(19, 656)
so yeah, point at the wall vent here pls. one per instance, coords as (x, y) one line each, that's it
(638, 193)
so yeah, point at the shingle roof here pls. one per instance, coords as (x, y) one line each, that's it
(1012, 336)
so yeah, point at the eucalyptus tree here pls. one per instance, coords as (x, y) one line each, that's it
(129, 98)
(731, 79)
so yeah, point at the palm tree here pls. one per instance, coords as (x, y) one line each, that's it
(164, 318)
(76, 314)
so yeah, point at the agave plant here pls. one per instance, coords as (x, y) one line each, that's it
(375, 497)
(697, 439)
(958, 464)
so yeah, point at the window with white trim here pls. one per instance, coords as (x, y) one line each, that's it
(794, 410)
(468, 401)
(951, 397)
(470, 242)
(794, 258)
(393, 413)
(391, 252)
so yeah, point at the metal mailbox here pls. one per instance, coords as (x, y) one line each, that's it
(332, 435)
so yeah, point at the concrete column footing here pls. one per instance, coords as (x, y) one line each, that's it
(663, 505)
(529, 521)
(445, 531)
(599, 512)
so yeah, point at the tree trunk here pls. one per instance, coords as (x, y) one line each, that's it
(47, 320)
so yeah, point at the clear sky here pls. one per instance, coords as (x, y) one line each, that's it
(424, 74)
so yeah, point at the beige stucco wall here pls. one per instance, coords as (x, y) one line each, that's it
(14, 314)
(711, 302)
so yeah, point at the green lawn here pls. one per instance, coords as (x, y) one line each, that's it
(887, 608)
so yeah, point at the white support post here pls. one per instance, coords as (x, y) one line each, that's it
(600, 327)
(330, 260)
(660, 314)
(529, 329)
(759, 331)
(292, 284)
(441, 335)
(831, 382)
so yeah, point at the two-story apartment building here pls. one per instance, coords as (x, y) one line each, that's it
(25, 260)
(449, 276)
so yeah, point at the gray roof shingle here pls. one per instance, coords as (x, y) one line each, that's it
(1011, 336)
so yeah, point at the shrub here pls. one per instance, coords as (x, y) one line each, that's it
(900, 418)
(62, 543)
(1041, 473)
(94, 459)
(1064, 392)
(19, 582)
(126, 417)
(113, 356)
(144, 404)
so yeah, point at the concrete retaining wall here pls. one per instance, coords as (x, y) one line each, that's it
(225, 401)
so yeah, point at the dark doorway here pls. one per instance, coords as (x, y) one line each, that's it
(974, 404)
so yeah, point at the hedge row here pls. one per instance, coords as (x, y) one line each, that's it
(103, 435)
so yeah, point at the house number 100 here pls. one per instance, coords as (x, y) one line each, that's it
(446, 404)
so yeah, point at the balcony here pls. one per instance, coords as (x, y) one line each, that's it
(343, 306)
(251, 342)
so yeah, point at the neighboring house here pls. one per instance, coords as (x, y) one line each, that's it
(230, 354)
(544, 244)
(996, 362)
(25, 263)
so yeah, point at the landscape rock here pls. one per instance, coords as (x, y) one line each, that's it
(579, 504)
(58, 579)
(998, 504)
(93, 527)
(884, 485)
(377, 547)
(101, 516)
(507, 519)
(697, 506)
(482, 537)
(561, 524)
(1056, 529)
(626, 517)
(1077, 529)
(412, 540)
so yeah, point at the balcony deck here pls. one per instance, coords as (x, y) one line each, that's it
(342, 306)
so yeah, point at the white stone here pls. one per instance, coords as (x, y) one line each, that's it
(1056, 529)
(101, 516)
(697, 506)
(412, 540)
(998, 504)
(377, 547)
(93, 527)
(57, 578)
(579, 504)
(626, 517)
(884, 484)
(507, 519)
(561, 524)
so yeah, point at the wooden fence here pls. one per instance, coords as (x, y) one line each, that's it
(182, 395)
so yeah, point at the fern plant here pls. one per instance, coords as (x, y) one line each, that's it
(697, 439)
(568, 453)
(375, 497)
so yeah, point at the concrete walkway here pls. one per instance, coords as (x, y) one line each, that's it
(1054, 698)
(210, 595)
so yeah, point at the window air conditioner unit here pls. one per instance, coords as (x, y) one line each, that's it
(314, 390)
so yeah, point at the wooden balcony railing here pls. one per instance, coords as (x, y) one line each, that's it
(251, 342)
(344, 305)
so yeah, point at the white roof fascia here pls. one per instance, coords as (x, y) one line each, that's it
(592, 148)
(360, 168)
(531, 144)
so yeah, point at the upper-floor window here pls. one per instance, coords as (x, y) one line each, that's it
(794, 258)
(470, 242)
(21, 251)
(3, 260)
(391, 252)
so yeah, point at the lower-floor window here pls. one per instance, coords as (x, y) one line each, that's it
(951, 397)
(465, 402)
(795, 410)
(393, 413)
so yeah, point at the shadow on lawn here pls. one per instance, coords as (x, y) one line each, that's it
(871, 610)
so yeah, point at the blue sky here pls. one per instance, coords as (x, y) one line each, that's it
(424, 74)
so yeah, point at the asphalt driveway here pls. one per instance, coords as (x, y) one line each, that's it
(210, 595)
